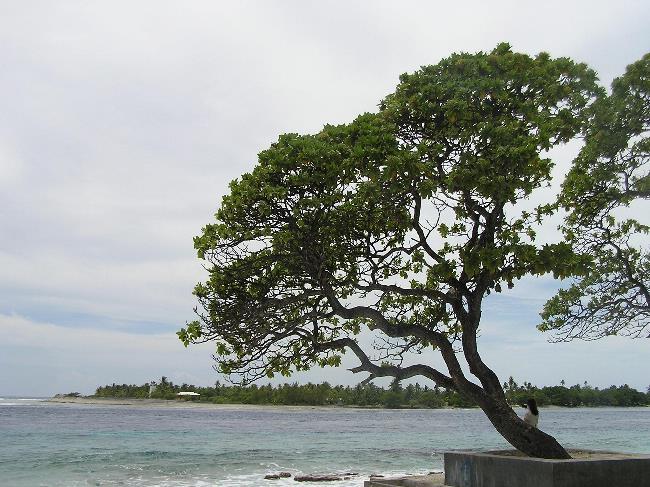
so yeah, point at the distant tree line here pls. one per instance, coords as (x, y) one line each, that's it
(370, 395)
(576, 395)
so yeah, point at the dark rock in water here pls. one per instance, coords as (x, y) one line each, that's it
(276, 476)
(376, 475)
(349, 475)
(317, 478)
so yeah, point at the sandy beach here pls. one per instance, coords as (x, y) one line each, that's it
(183, 404)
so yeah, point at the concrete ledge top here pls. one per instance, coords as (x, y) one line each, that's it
(508, 468)
(578, 455)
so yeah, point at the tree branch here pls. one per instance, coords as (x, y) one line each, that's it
(376, 371)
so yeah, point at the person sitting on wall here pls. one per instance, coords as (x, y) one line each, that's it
(531, 416)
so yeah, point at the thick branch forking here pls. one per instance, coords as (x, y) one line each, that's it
(393, 330)
(388, 371)
(485, 375)
(469, 320)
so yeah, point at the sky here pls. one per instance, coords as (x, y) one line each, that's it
(121, 124)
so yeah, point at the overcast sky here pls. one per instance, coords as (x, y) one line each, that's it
(121, 124)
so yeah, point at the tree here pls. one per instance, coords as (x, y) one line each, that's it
(400, 222)
(611, 172)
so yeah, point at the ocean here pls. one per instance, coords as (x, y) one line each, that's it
(50, 444)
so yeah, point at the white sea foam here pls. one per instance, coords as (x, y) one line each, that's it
(36, 399)
(252, 480)
(12, 401)
(255, 480)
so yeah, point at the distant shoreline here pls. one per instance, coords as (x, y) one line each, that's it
(181, 404)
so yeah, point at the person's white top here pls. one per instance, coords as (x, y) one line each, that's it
(531, 418)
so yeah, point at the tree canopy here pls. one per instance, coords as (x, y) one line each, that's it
(400, 222)
(611, 173)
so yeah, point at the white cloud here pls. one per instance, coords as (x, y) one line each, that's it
(155, 291)
(124, 122)
(10, 166)
(44, 358)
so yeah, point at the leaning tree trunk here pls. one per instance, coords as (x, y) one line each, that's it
(492, 400)
(522, 436)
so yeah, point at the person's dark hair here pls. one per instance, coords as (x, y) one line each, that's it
(532, 405)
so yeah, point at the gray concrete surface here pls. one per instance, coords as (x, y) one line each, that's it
(435, 480)
(507, 469)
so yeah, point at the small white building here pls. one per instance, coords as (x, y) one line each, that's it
(187, 395)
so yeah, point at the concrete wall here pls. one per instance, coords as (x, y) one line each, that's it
(471, 469)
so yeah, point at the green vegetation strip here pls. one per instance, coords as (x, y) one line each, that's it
(370, 395)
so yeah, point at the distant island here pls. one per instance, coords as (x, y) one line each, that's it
(369, 395)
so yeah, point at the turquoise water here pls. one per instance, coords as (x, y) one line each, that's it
(47, 444)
